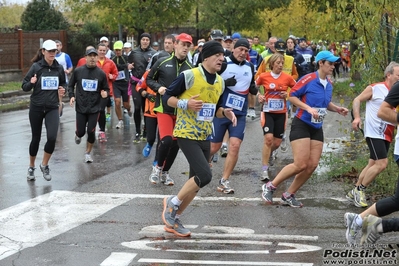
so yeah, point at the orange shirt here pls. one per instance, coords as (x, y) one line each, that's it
(273, 87)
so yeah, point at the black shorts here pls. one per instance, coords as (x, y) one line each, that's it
(120, 91)
(273, 123)
(378, 148)
(301, 130)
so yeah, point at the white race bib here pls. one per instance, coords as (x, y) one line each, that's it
(207, 113)
(121, 75)
(50, 83)
(322, 114)
(275, 104)
(235, 101)
(89, 84)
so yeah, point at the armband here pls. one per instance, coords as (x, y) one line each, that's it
(182, 104)
(397, 118)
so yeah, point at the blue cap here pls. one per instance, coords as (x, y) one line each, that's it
(236, 35)
(326, 55)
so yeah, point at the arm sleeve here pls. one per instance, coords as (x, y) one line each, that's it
(177, 87)
(71, 85)
(252, 88)
(153, 77)
(68, 61)
(26, 85)
(393, 96)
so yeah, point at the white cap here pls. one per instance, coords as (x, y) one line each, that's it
(49, 45)
(104, 39)
(201, 44)
(127, 45)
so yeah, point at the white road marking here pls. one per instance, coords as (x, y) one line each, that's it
(218, 262)
(34, 221)
(227, 233)
(119, 259)
(156, 245)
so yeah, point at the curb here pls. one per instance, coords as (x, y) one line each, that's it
(8, 94)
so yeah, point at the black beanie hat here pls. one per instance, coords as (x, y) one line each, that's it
(241, 42)
(145, 34)
(210, 48)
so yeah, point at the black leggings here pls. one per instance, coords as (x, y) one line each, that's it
(390, 225)
(102, 119)
(389, 205)
(139, 105)
(197, 154)
(91, 121)
(51, 120)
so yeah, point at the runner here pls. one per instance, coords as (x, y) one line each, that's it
(312, 94)
(91, 87)
(195, 111)
(46, 77)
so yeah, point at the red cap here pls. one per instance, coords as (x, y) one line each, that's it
(184, 37)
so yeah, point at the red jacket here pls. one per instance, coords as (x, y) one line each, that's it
(109, 67)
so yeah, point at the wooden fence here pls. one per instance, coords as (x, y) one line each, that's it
(18, 48)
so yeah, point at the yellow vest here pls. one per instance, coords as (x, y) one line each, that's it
(187, 126)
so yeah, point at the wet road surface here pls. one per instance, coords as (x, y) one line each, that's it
(108, 213)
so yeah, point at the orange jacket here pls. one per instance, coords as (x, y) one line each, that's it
(109, 67)
(142, 85)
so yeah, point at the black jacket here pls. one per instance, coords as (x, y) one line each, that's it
(87, 101)
(300, 63)
(163, 73)
(44, 98)
(140, 60)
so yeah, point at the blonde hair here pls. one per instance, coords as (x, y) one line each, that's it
(274, 58)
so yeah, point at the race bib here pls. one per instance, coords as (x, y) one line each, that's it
(207, 113)
(276, 104)
(50, 83)
(322, 114)
(235, 101)
(89, 84)
(121, 75)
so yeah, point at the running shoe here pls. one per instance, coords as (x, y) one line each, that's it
(265, 176)
(147, 150)
(46, 172)
(108, 117)
(169, 211)
(119, 125)
(155, 175)
(370, 235)
(77, 140)
(291, 201)
(283, 145)
(166, 179)
(128, 112)
(102, 137)
(178, 229)
(31, 174)
(352, 229)
(215, 157)
(359, 198)
(88, 158)
(223, 151)
(136, 138)
(273, 157)
(224, 186)
(350, 196)
(267, 192)
(252, 114)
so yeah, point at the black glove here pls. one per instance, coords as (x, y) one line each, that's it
(150, 97)
(230, 81)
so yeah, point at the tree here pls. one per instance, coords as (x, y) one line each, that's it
(40, 15)
(139, 15)
(232, 15)
(10, 15)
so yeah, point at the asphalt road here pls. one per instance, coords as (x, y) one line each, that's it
(108, 213)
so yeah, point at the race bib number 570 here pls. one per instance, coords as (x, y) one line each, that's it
(207, 113)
